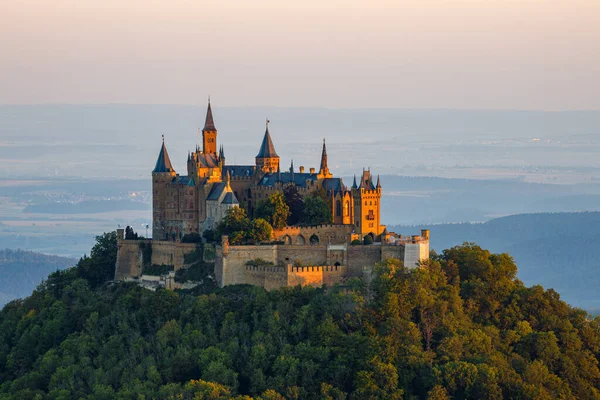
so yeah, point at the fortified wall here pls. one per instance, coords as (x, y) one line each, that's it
(274, 265)
(132, 255)
(317, 264)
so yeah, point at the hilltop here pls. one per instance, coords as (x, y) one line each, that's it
(461, 327)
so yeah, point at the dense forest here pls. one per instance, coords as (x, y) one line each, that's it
(23, 270)
(557, 250)
(461, 326)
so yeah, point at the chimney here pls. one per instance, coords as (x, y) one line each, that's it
(312, 170)
(301, 169)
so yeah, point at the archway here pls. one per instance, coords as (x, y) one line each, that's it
(287, 239)
(314, 239)
(337, 264)
(300, 240)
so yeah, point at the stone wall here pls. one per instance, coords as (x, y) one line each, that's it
(326, 234)
(130, 258)
(311, 265)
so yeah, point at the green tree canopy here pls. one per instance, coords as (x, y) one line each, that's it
(274, 210)
(99, 267)
(260, 230)
(295, 203)
(461, 326)
(316, 211)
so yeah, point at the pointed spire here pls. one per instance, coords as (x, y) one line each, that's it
(354, 186)
(292, 166)
(378, 182)
(324, 168)
(163, 163)
(209, 124)
(221, 152)
(189, 157)
(267, 149)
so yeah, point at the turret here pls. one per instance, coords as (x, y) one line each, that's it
(267, 159)
(324, 170)
(209, 133)
(162, 174)
(367, 207)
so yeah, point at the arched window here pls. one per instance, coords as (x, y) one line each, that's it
(314, 239)
(300, 240)
(338, 208)
(346, 208)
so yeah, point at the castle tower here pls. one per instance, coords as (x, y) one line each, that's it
(209, 133)
(324, 170)
(162, 174)
(267, 159)
(367, 206)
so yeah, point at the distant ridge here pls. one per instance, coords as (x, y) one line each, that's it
(558, 250)
(22, 271)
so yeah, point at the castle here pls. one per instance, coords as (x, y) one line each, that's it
(321, 254)
(198, 201)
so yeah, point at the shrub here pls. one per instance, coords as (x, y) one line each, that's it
(368, 240)
(157, 270)
(356, 242)
(192, 237)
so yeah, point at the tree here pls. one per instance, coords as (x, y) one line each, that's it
(130, 234)
(368, 239)
(260, 230)
(192, 237)
(100, 266)
(274, 210)
(235, 220)
(316, 211)
(295, 203)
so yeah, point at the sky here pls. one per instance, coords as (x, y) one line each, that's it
(470, 54)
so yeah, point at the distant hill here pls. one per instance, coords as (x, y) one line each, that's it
(558, 250)
(22, 271)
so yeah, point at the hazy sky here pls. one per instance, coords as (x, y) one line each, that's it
(509, 54)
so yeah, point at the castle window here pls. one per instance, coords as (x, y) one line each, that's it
(346, 208)
(370, 203)
(366, 203)
(338, 208)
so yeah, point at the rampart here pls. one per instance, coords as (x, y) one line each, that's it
(132, 255)
(274, 265)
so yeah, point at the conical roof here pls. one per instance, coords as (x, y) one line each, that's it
(267, 149)
(209, 124)
(324, 158)
(163, 163)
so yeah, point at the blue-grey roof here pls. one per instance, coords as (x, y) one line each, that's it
(267, 149)
(163, 163)
(334, 184)
(239, 170)
(181, 180)
(191, 182)
(230, 199)
(286, 177)
(216, 191)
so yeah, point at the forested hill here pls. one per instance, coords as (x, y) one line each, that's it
(558, 250)
(21, 271)
(460, 327)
